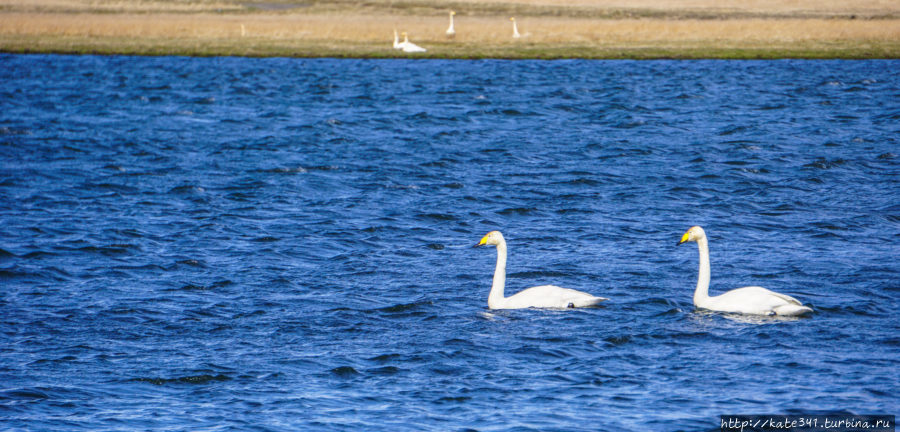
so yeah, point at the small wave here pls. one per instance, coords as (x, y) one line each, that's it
(205, 100)
(733, 130)
(580, 182)
(27, 393)
(535, 352)
(891, 341)
(385, 370)
(266, 239)
(822, 163)
(195, 287)
(453, 399)
(5, 130)
(618, 340)
(13, 274)
(324, 168)
(574, 211)
(505, 112)
(520, 211)
(441, 217)
(404, 307)
(187, 189)
(191, 379)
(39, 255)
(192, 287)
(284, 170)
(385, 358)
(151, 267)
(345, 371)
(110, 250)
(110, 186)
(258, 312)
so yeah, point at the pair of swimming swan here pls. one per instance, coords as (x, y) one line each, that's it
(751, 300)
(406, 45)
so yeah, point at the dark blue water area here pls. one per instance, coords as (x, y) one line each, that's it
(285, 244)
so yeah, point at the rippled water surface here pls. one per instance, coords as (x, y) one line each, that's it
(285, 244)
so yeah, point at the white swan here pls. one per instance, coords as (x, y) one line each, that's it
(450, 31)
(516, 34)
(752, 300)
(545, 296)
(410, 47)
(397, 44)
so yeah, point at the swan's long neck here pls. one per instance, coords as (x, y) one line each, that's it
(701, 294)
(451, 24)
(496, 297)
(396, 39)
(515, 30)
(406, 39)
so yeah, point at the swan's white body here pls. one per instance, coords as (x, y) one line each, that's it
(451, 32)
(516, 34)
(410, 47)
(544, 296)
(751, 300)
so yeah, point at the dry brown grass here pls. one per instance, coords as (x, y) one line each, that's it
(188, 27)
(748, 6)
(121, 6)
(378, 29)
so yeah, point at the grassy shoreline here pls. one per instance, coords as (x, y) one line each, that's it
(594, 29)
(314, 49)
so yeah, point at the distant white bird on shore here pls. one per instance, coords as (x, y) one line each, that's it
(410, 47)
(516, 34)
(397, 44)
(451, 32)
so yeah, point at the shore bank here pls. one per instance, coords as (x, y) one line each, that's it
(592, 29)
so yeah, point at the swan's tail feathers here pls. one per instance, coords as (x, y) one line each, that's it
(792, 310)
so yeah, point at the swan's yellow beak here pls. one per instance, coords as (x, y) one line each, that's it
(482, 242)
(684, 238)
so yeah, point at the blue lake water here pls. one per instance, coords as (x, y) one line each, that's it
(285, 244)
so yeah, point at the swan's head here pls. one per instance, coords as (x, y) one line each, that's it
(491, 238)
(694, 234)
(452, 13)
(512, 18)
(403, 34)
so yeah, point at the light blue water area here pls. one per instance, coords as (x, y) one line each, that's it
(285, 244)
